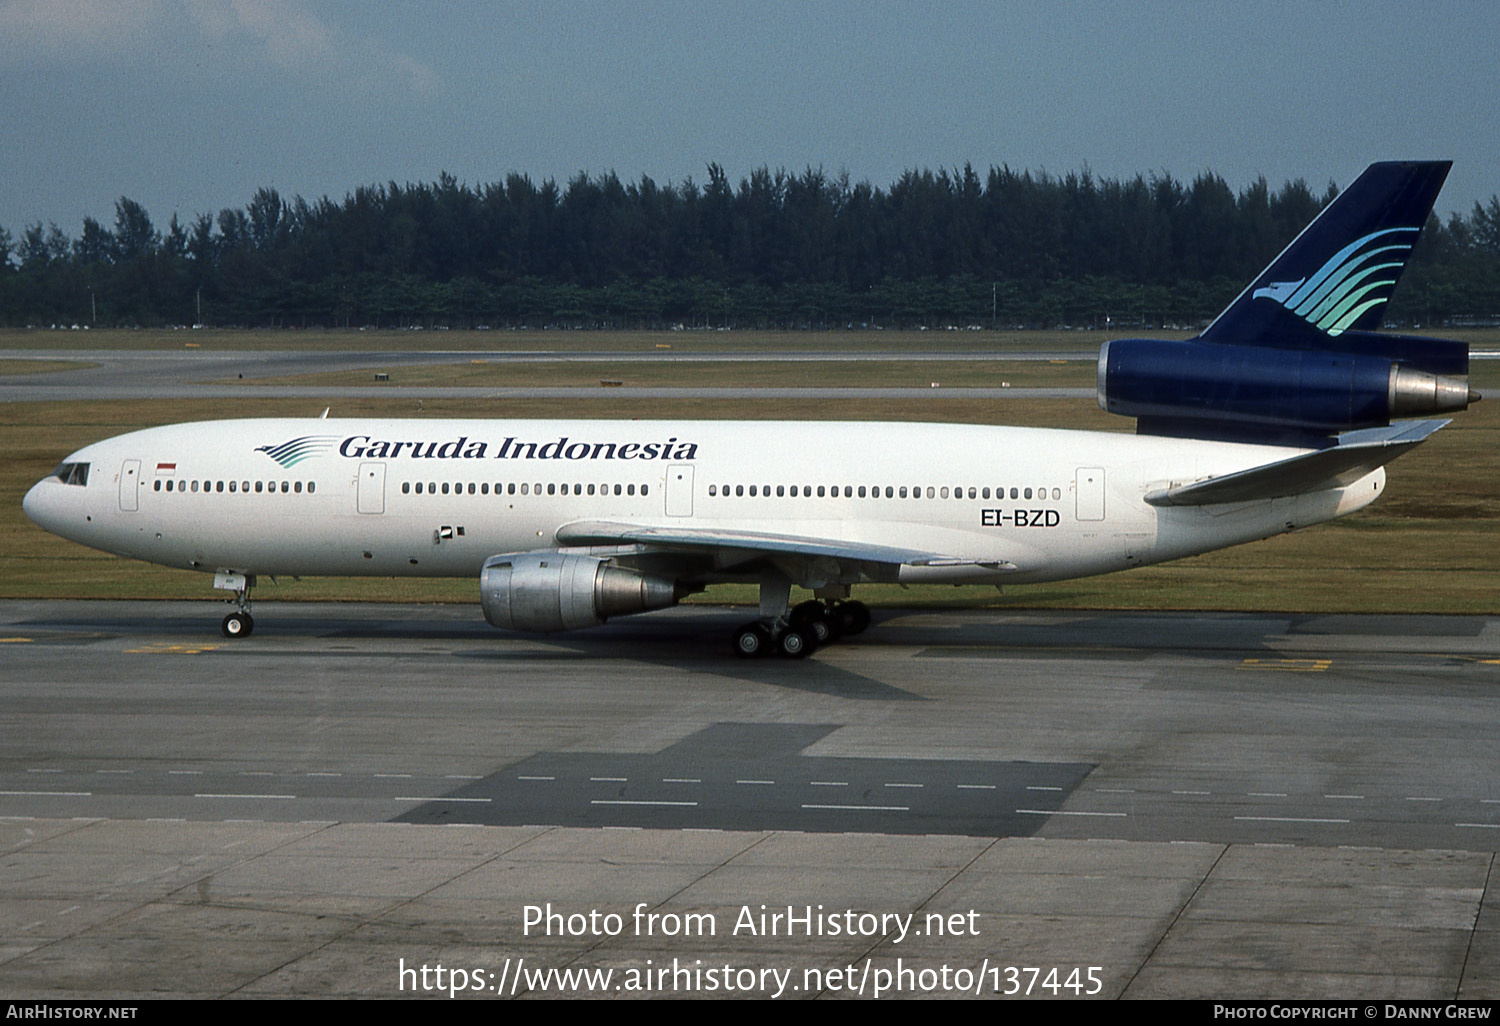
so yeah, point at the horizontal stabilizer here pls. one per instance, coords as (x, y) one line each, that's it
(600, 532)
(1356, 454)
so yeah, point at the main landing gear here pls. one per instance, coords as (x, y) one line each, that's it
(239, 623)
(797, 632)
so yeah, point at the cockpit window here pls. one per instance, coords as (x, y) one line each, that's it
(72, 473)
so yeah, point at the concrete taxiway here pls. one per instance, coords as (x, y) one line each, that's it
(1195, 804)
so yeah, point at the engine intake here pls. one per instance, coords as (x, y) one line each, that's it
(543, 592)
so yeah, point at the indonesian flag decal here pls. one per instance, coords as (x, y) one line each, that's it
(166, 469)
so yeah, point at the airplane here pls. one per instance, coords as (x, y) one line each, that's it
(1281, 414)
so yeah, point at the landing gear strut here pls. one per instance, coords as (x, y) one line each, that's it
(797, 632)
(239, 623)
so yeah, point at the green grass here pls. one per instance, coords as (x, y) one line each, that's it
(42, 366)
(357, 340)
(478, 373)
(1085, 343)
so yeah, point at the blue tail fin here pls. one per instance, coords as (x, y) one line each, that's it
(1339, 273)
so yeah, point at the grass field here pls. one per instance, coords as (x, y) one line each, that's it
(1077, 373)
(41, 366)
(1430, 545)
(357, 340)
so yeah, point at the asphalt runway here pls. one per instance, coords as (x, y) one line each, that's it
(1197, 804)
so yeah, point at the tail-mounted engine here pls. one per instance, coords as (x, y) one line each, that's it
(1205, 389)
(559, 591)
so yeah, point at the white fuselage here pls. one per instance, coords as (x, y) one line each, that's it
(437, 497)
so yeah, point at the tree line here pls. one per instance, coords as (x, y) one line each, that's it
(1010, 248)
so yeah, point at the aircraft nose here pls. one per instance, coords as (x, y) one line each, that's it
(41, 506)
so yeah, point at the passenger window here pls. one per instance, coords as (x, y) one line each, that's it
(781, 491)
(645, 489)
(753, 491)
(903, 491)
(510, 489)
(231, 486)
(1028, 493)
(861, 491)
(525, 489)
(739, 490)
(285, 487)
(1015, 493)
(297, 487)
(630, 489)
(1057, 493)
(195, 486)
(820, 491)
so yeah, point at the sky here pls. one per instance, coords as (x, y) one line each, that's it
(190, 106)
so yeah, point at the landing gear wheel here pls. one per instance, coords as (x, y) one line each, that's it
(796, 643)
(237, 625)
(752, 640)
(852, 617)
(816, 619)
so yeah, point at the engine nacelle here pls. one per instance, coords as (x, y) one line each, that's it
(1318, 391)
(544, 592)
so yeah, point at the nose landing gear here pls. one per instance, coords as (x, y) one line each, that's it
(239, 623)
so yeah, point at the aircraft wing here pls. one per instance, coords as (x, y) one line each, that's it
(677, 537)
(1356, 454)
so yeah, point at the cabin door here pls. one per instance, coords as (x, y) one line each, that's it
(130, 483)
(371, 488)
(680, 490)
(1088, 489)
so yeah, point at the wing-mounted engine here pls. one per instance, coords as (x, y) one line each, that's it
(551, 591)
